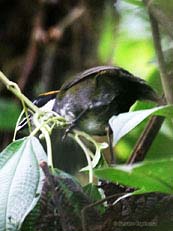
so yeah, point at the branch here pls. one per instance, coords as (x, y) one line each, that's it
(167, 88)
(39, 35)
(54, 34)
(146, 139)
(161, 17)
(56, 31)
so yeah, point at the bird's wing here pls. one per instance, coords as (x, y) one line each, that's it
(99, 71)
(85, 74)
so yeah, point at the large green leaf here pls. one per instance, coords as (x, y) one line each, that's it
(125, 122)
(149, 176)
(21, 181)
(9, 113)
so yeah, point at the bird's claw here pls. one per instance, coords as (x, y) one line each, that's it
(68, 130)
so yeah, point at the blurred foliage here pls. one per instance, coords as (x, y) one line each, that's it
(106, 43)
(9, 112)
(134, 55)
(133, 50)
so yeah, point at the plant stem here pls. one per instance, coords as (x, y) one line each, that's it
(49, 148)
(13, 87)
(86, 151)
(88, 159)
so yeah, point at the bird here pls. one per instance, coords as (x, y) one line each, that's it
(92, 97)
(89, 99)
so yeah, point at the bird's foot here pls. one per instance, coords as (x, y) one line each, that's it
(71, 126)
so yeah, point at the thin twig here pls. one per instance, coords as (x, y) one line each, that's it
(37, 35)
(94, 204)
(28, 64)
(54, 34)
(86, 152)
(56, 31)
(13, 87)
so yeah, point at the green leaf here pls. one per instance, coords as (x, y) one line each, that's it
(125, 122)
(97, 156)
(70, 200)
(9, 113)
(64, 175)
(149, 176)
(31, 219)
(21, 181)
(93, 193)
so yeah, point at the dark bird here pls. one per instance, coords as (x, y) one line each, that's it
(92, 97)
